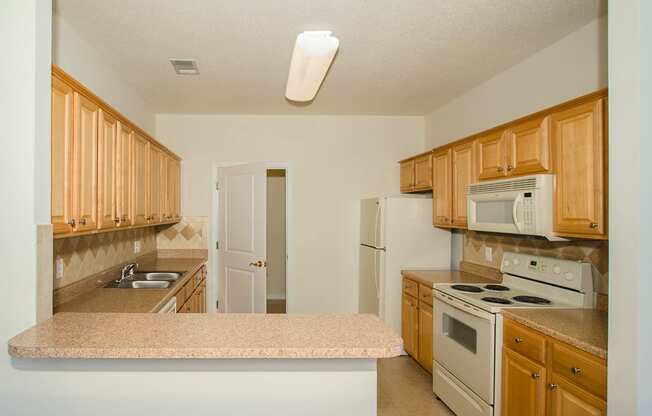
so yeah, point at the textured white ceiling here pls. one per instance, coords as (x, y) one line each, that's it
(396, 57)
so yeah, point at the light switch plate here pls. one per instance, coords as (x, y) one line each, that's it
(58, 265)
(488, 253)
(137, 246)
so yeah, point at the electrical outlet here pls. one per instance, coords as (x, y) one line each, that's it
(137, 246)
(488, 253)
(58, 266)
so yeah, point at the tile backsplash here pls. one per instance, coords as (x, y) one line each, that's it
(594, 252)
(191, 233)
(87, 255)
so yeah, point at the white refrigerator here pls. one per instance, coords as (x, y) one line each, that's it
(396, 233)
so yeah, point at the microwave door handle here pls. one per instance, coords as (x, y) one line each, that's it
(518, 201)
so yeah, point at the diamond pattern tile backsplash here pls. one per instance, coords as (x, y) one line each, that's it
(87, 255)
(595, 252)
(188, 234)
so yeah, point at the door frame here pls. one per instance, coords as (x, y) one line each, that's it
(213, 294)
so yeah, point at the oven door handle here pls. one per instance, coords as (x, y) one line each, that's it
(464, 307)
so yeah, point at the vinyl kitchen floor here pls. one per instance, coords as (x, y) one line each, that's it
(404, 388)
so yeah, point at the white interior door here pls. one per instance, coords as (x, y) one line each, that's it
(242, 238)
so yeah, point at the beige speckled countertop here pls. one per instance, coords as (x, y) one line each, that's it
(585, 329)
(207, 336)
(431, 277)
(134, 300)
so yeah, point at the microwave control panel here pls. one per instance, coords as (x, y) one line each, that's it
(529, 213)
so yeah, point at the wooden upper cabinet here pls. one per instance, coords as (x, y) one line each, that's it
(123, 175)
(528, 147)
(106, 171)
(462, 175)
(165, 189)
(139, 180)
(491, 159)
(441, 190)
(174, 188)
(423, 172)
(579, 153)
(524, 386)
(85, 163)
(155, 170)
(407, 175)
(62, 156)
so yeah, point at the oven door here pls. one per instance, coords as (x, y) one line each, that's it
(464, 339)
(496, 212)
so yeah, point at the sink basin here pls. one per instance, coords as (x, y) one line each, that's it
(149, 284)
(157, 276)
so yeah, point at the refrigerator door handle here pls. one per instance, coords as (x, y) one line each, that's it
(377, 225)
(376, 274)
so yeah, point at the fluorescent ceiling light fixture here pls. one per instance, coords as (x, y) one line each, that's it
(311, 58)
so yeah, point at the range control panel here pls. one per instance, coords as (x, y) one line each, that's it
(571, 274)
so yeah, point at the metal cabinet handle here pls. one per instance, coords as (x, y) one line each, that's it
(593, 225)
(82, 221)
(518, 340)
(510, 167)
(552, 386)
(536, 376)
(576, 371)
(500, 169)
(116, 220)
(72, 222)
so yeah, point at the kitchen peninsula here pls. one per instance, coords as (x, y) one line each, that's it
(258, 364)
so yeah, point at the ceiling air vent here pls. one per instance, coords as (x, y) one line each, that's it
(185, 66)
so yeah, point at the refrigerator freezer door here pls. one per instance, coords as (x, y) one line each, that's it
(370, 222)
(368, 285)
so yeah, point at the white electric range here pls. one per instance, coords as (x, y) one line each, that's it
(467, 325)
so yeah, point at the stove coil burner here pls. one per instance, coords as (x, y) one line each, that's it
(467, 288)
(498, 288)
(502, 301)
(532, 299)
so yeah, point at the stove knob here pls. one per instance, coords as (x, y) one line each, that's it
(568, 276)
(506, 263)
(556, 269)
(516, 262)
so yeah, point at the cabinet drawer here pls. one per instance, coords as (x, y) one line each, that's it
(425, 294)
(524, 341)
(411, 288)
(580, 368)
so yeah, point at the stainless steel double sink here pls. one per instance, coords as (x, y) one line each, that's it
(146, 280)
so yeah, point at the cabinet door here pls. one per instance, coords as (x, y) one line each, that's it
(85, 163)
(579, 153)
(463, 176)
(106, 171)
(163, 194)
(174, 176)
(140, 180)
(423, 172)
(409, 325)
(155, 158)
(425, 336)
(123, 175)
(491, 156)
(524, 386)
(62, 157)
(566, 399)
(441, 190)
(529, 147)
(407, 176)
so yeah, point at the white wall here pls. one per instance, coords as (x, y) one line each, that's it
(573, 66)
(630, 204)
(334, 160)
(88, 65)
(24, 167)
(276, 237)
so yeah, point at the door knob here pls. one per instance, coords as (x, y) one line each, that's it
(259, 263)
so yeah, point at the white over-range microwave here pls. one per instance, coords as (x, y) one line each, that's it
(513, 206)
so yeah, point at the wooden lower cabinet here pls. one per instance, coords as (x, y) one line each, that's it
(424, 356)
(416, 322)
(567, 381)
(524, 386)
(191, 298)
